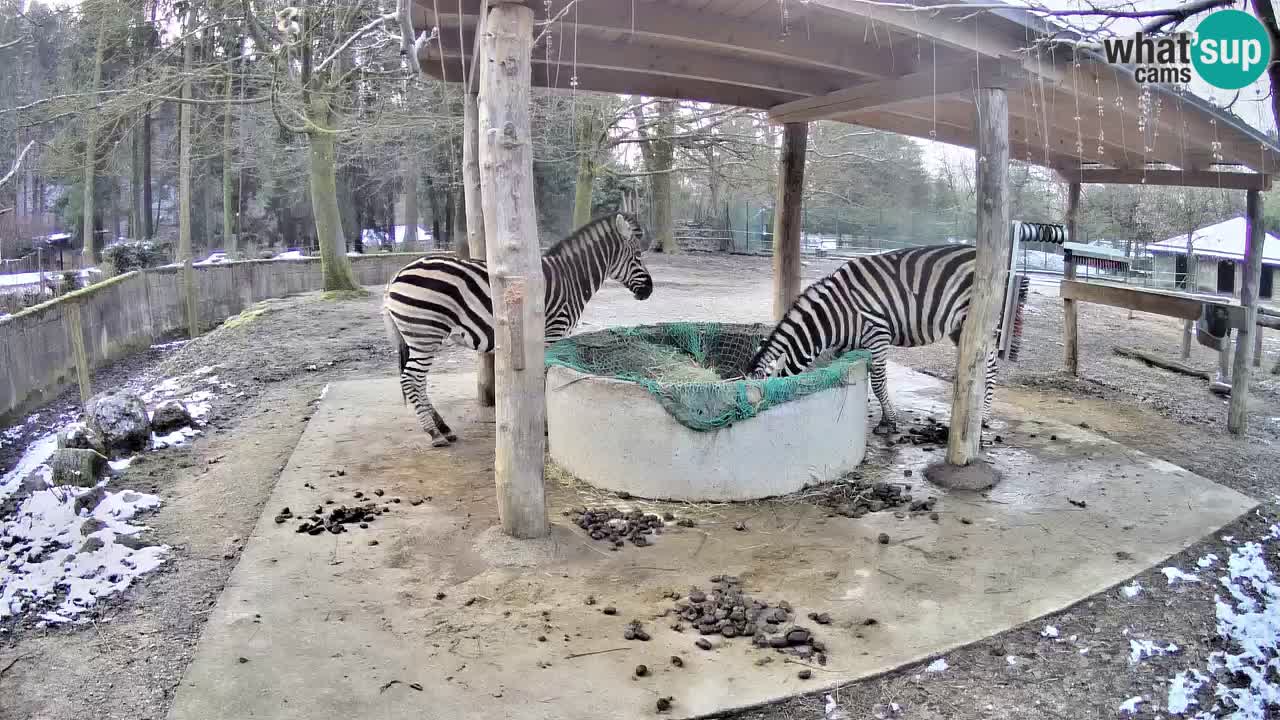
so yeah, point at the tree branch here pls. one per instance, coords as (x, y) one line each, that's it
(16, 164)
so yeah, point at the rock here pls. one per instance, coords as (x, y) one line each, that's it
(82, 437)
(883, 538)
(92, 544)
(75, 466)
(120, 419)
(703, 643)
(642, 670)
(91, 526)
(134, 542)
(169, 416)
(804, 674)
(798, 636)
(664, 704)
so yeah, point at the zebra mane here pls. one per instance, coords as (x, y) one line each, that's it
(581, 237)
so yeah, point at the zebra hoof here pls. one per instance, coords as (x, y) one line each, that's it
(884, 429)
(440, 442)
(451, 437)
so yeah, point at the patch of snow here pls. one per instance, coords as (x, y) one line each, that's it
(173, 439)
(166, 346)
(121, 465)
(1182, 690)
(1207, 560)
(1049, 631)
(832, 711)
(1174, 575)
(35, 456)
(42, 567)
(1131, 590)
(324, 391)
(938, 665)
(1011, 659)
(1140, 650)
(1130, 706)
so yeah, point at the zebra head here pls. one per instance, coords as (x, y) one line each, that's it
(628, 264)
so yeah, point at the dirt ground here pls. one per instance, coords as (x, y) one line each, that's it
(128, 662)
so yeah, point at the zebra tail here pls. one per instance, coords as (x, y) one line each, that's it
(397, 339)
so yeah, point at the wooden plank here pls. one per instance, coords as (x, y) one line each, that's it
(1132, 299)
(888, 91)
(1238, 412)
(787, 217)
(992, 191)
(1070, 321)
(1156, 360)
(515, 269)
(472, 198)
(1173, 178)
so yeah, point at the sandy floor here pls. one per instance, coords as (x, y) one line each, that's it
(128, 663)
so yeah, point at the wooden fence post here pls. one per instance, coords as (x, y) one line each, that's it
(992, 184)
(1070, 327)
(515, 268)
(1238, 412)
(787, 218)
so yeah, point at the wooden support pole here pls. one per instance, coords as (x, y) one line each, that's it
(74, 326)
(1238, 413)
(475, 225)
(1257, 346)
(976, 339)
(787, 217)
(1070, 327)
(515, 268)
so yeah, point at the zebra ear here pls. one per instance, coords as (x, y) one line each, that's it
(622, 225)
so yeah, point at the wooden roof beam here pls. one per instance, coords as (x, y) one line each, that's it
(1171, 178)
(902, 123)
(905, 88)
(645, 58)
(681, 27)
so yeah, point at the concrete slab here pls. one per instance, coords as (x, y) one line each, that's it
(326, 624)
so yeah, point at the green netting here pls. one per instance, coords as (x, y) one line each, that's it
(696, 370)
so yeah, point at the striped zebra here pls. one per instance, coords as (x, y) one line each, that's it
(902, 298)
(442, 296)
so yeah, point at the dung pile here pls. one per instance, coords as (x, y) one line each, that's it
(616, 527)
(931, 433)
(335, 520)
(855, 498)
(729, 612)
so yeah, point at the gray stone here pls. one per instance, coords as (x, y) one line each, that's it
(121, 420)
(81, 437)
(89, 500)
(75, 466)
(170, 415)
(91, 526)
(91, 544)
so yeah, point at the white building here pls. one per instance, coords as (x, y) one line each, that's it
(1218, 252)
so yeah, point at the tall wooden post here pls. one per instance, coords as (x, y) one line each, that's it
(475, 224)
(787, 217)
(515, 267)
(989, 275)
(1070, 330)
(1238, 413)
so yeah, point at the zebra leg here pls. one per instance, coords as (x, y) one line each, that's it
(989, 387)
(888, 416)
(413, 383)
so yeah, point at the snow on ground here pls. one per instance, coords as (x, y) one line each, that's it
(938, 665)
(1245, 678)
(63, 549)
(1175, 575)
(1140, 650)
(1130, 706)
(1132, 590)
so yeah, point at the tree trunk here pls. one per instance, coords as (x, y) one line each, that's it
(588, 132)
(1238, 410)
(664, 156)
(230, 241)
(472, 198)
(184, 183)
(515, 269)
(1188, 327)
(148, 217)
(448, 217)
(334, 262)
(411, 217)
(89, 252)
(435, 212)
(1070, 318)
(787, 217)
(458, 229)
(964, 445)
(137, 211)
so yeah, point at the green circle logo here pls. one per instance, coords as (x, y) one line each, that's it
(1232, 49)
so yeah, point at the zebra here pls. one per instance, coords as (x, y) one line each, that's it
(903, 298)
(443, 296)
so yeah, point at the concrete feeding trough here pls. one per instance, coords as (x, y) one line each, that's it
(663, 412)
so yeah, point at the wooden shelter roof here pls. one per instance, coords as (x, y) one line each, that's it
(908, 72)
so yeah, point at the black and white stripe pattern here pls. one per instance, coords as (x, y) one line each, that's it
(903, 298)
(441, 296)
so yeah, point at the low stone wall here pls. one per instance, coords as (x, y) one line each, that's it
(127, 313)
